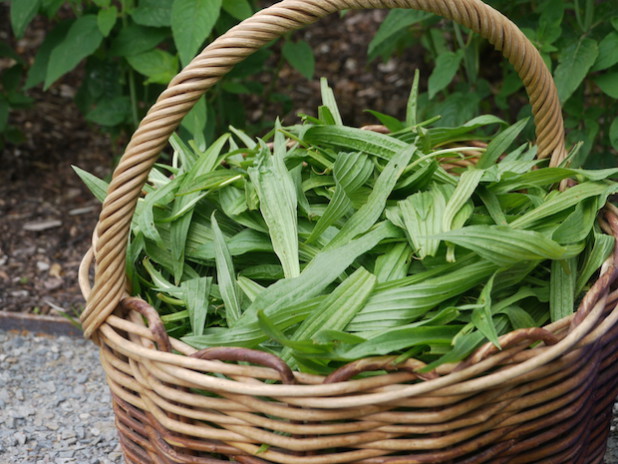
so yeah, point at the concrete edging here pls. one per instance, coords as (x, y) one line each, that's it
(50, 325)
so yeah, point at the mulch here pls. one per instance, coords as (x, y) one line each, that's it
(46, 213)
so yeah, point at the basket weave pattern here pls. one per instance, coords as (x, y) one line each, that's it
(173, 404)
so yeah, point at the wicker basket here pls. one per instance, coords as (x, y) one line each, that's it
(549, 403)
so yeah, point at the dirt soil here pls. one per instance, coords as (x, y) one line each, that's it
(46, 214)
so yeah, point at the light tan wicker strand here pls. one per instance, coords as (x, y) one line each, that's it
(233, 47)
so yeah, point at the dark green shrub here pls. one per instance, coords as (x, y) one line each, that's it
(132, 49)
(578, 40)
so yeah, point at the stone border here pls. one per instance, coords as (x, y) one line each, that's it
(51, 325)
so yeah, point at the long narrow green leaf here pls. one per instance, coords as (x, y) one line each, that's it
(233, 201)
(207, 160)
(492, 203)
(464, 345)
(328, 100)
(302, 346)
(548, 176)
(538, 178)
(161, 283)
(422, 215)
(246, 241)
(504, 245)
(277, 194)
(412, 106)
(562, 288)
(603, 246)
(97, 187)
(250, 334)
(578, 224)
(338, 206)
(159, 197)
(319, 273)
(466, 186)
(393, 264)
(183, 155)
(518, 317)
(350, 171)
(371, 211)
(438, 136)
(248, 141)
(178, 239)
(353, 139)
(182, 208)
(500, 144)
(398, 339)
(369, 142)
(563, 201)
(249, 287)
(392, 305)
(226, 278)
(210, 181)
(304, 207)
(338, 308)
(482, 316)
(391, 123)
(521, 294)
(196, 292)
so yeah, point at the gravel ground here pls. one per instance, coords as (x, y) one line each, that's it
(55, 407)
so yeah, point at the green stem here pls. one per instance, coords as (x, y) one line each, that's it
(459, 36)
(589, 14)
(125, 6)
(133, 96)
(468, 48)
(578, 16)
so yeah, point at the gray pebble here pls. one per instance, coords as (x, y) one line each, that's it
(50, 387)
(19, 394)
(66, 453)
(10, 423)
(20, 438)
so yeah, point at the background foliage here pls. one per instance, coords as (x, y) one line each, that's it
(132, 48)
(578, 41)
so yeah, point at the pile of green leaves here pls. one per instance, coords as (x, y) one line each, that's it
(333, 243)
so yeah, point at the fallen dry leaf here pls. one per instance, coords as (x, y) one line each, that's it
(55, 270)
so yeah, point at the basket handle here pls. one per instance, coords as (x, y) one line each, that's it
(219, 57)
